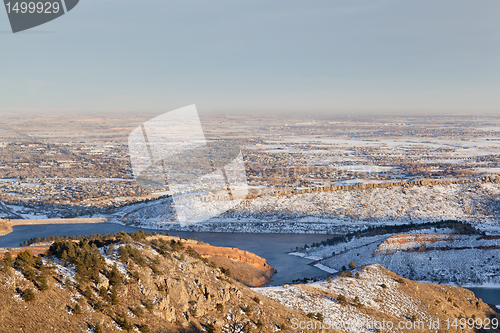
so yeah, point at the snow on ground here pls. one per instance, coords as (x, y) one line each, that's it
(68, 272)
(321, 298)
(338, 211)
(465, 266)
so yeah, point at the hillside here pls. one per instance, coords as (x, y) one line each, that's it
(140, 285)
(436, 257)
(374, 296)
(111, 283)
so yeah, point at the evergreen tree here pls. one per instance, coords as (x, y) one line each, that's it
(114, 296)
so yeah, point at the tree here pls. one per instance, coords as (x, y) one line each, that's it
(43, 283)
(7, 260)
(25, 260)
(114, 276)
(78, 309)
(28, 295)
(352, 265)
(111, 249)
(126, 325)
(356, 275)
(114, 296)
(248, 310)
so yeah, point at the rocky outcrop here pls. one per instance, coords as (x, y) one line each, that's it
(360, 186)
(436, 242)
(245, 267)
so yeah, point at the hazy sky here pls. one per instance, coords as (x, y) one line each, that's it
(256, 55)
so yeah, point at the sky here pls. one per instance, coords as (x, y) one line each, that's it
(257, 56)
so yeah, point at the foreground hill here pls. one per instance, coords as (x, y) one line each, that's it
(374, 299)
(115, 284)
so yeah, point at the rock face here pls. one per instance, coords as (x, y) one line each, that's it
(360, 186)
(437, 242)
(246, 267)
(397, 243)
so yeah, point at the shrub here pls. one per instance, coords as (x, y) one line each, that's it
(329, 279)
(226, 271)
(248, 310)
(356, 275)
(77, 309)
(283, 327)
(155, 269)
(29, 274)
(148, 304)
(256, 300)
(144, 328)
(342, 300)
(363, 266)
(28, 295)
(138, 311)
(98, 328)
(259, 323)
(349, 273)
(103, 292)
(126, 325)
(219, 307)
(210, 328)
(352, 265)
(87, 293)
(342, 274)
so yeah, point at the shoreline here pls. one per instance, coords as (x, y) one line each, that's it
(6, 225)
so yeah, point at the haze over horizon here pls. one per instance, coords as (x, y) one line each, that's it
(335, 57)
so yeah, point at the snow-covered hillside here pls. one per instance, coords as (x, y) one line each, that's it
(465, 259)
(339, 211)
(374, 289)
